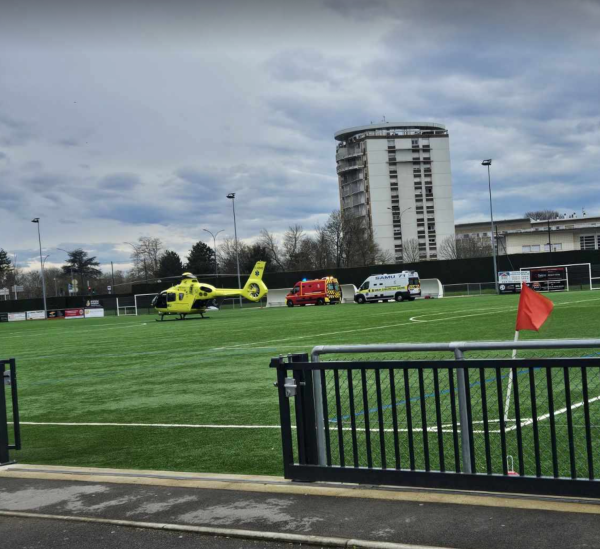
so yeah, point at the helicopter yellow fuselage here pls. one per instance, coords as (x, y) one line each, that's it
(193, 297)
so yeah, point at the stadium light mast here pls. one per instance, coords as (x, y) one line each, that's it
(231, 196)
(488, 163)
(37, 220)
(215, 248)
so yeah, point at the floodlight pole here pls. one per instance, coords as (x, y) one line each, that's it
(215, 248)
(488, 163)
(37, 220)
(231, 196)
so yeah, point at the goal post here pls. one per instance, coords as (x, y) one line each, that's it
(143, 303)
(560, 278)
(126, 306)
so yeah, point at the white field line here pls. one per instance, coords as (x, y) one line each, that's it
(487, 311)
(158, 425)
(556, 413)
(433, 429)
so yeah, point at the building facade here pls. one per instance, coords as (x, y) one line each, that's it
(396, 177)
(523, 236)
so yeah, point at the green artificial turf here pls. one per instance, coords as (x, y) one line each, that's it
(216, 372)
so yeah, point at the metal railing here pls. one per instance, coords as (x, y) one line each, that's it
(8, 378)
(452, 415)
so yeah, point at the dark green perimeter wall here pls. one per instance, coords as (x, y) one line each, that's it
(455, 271)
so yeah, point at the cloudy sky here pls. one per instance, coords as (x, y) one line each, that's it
(128, 119)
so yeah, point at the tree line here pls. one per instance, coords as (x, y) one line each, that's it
(342, 241)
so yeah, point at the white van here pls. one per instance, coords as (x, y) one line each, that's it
(399, 286)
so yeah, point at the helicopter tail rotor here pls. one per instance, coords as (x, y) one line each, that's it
(255, 288)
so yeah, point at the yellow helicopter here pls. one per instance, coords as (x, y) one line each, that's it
(193, 297)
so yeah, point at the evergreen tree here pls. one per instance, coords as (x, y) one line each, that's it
(5, 265)
(201, 259)
(82, 264)
(170, 264)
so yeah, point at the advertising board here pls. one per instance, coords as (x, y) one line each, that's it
(74, 313)
(36, 315)
(94, 303)
(3, 317)
(53, 314)
(94, 313)
(548, 279)
(509, 282)
(16, 317)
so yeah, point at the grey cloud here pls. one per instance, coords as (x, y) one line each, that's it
(119, 182)
(14, 132)
(305, 66)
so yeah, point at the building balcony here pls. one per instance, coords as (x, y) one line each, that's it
(342, 169)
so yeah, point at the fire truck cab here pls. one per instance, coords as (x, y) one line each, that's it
(315, 292)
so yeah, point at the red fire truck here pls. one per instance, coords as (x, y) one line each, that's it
(315, 292)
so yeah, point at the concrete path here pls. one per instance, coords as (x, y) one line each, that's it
(264, 510)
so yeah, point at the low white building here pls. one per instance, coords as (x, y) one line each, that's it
(518, 236)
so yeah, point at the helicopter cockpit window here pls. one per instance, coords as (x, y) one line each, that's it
(171, 297)
(205, 289)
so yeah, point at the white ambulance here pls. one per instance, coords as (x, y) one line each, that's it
(400, 286)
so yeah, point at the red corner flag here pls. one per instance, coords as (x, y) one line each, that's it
(533, 311)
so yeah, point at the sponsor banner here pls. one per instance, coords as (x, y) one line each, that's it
(36, 315)
(3, 317)
(74, 313)
(549, 279)
(16, 317)
(513, 277)
(93, 303)
(94, 313)
(55, 313)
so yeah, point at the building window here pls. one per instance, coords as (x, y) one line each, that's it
(535, 248)
(555, 247)
(525, 249)
(587, 242)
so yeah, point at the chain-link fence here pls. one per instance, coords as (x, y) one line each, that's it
(530, 412)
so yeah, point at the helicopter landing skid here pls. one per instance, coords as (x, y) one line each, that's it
(181, 317)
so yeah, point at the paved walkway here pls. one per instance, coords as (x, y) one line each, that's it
(269, 511)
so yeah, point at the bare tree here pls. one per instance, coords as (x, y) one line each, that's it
(410, 251)
(146, 256)
(294, 244)
(269, 242)
(463, 248)
(543, 215)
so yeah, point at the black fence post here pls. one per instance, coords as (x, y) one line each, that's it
(284, 416)
(8, 378)
(305, 413)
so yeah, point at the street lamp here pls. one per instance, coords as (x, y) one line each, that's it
(37, 220)
(488, 163)
(400, 219)
(72, 291)
(231, 196)
(215, 247)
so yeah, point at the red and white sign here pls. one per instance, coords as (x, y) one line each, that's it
(74, 313)
(94, 313)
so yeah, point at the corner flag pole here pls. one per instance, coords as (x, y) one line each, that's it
(510, 382)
